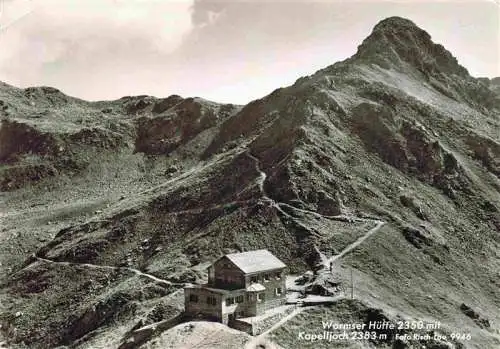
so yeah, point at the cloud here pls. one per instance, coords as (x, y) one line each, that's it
(61, 37)
(12, 12)
(206, 12)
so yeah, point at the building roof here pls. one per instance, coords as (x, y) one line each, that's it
(255, 261)
(255, 287)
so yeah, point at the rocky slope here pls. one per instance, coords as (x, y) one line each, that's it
(400, 132)
(45, 133)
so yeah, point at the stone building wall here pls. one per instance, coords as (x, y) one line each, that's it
(201, 306)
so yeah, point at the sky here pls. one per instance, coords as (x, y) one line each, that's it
(229, 51)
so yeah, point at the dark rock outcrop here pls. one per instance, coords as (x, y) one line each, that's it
(179, 122)
(469, 312)
(17, 139)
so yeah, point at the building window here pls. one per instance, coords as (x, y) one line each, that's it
(278, 275)
(193, 298)
(229, 301)
(260, 297)
(266, 277)
(279, 291)
(211, 300)
(239, 299)
(249, 297)
(253, 279)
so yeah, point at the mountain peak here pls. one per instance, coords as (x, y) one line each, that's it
(396, 22)
(395, 41)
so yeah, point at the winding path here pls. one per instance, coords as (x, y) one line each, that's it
(357, 242)
(108, 267)
(265, 197)
(278, 205)
(325, 261)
